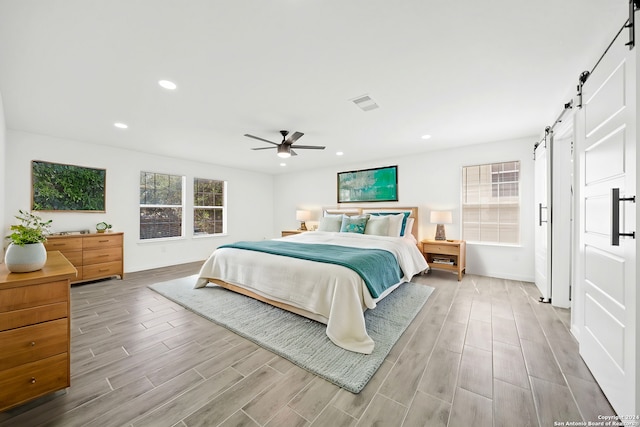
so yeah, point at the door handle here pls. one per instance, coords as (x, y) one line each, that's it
(540, 221)
(615, 216)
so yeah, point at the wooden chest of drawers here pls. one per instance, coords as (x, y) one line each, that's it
(34, 331)
(95, 256)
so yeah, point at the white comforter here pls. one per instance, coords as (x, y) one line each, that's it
(336, 294)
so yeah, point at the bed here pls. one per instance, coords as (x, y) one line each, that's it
(326, 291)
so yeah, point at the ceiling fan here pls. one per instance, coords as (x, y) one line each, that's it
(286, 146)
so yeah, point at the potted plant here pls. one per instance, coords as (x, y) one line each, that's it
(101, 227)
(26, 252)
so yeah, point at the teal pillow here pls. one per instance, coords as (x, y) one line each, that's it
(354, 224)
(404, 220)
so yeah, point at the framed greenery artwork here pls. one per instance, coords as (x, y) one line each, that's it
(60, 187)
(368, 185)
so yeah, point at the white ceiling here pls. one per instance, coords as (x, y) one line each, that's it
(463, 71)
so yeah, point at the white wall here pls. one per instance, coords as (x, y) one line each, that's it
(2, 173)
(431, 181)
(246, 191)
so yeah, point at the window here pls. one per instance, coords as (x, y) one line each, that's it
(491, 203)
(209, 205)
(161, 205)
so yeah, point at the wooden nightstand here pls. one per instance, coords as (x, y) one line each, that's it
(445, 255)
(286, 233)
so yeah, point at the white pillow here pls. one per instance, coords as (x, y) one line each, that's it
(408, 227)
(377, 225)
(395, 224)
(407, 232)
(330, 223)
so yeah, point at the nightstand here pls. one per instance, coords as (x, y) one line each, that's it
(286, 233)
(445, 255)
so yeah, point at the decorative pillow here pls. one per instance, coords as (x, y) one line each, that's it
(395, 224)
(405, 215)
(377, 225)
(354, 224)
(330, 223)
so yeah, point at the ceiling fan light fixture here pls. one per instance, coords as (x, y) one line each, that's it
(284, 151)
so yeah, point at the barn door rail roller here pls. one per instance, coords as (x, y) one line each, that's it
(615, 216)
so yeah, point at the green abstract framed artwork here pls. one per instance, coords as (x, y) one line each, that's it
(368, 185)
(60, 187)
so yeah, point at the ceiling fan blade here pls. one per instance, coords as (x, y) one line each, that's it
(309, 147)
(293, 138)
(259, 139)
(293, 153)
(264, 148)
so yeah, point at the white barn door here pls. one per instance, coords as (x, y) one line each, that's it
(606, 297)
(542, 229)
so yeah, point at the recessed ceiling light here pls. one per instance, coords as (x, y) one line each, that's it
(283, 164)
(426, 136)
(167, 84)
(339, 153)
(121, 125)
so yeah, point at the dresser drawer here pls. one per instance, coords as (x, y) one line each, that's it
(35, 342)
(63, 244)
(102, 241)
(102, 270)
(25, 382)
(97, 256)
(33, 315)
(33, 296)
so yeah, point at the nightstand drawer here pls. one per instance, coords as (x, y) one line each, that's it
(33, 296)
(35, 379)
(445, 250)
(33, 315)
(35, 342)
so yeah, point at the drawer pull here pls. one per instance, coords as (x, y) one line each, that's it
(102, 270)
(104, 255)
(33, 380)
(59, 244)
(103, 241)
(33, 343)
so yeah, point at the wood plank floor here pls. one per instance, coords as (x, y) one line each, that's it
(482, 352)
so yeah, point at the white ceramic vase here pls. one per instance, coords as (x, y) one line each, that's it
(23, 259)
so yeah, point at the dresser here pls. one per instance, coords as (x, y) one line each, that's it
(450, 255)
(95, 255)
(34, 331)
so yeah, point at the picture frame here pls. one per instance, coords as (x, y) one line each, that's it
(368, 185)
(62, 187)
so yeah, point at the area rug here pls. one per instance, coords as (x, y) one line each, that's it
(298, 339)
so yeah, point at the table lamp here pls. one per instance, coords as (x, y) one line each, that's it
(441, 218)
(302, 216)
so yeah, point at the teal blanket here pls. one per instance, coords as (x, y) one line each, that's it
(378, 268)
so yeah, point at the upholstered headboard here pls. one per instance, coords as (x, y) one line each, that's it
(357, 210)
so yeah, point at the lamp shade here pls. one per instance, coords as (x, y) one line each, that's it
(441, 217)
(302, 215)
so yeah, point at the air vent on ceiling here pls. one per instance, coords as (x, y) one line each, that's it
(365, 103)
